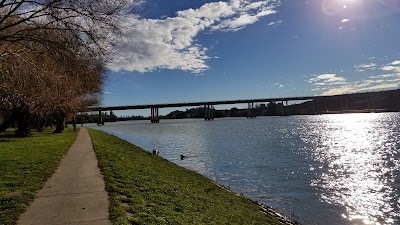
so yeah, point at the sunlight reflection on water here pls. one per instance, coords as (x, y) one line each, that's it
(360, 152)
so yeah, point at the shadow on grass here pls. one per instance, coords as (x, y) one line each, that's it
(9, 133)
(7, 136)
(6, 139)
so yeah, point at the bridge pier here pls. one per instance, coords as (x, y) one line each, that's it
(251, 110)
(100, 120)
(209, 112)
(154, 118)
(315, 104)
(287, 109)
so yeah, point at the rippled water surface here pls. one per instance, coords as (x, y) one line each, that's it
(324, 169)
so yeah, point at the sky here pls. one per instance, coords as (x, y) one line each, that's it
(203, 50)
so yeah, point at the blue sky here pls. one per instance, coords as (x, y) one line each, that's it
(179, 50)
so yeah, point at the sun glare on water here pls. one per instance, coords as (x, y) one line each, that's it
(361, 162)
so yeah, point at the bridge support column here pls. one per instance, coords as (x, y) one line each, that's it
(316, 107)
(154, 118)
(209, 112)
(251, 110)
(100, 120)
(287, 109)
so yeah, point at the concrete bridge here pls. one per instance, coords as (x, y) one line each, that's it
(208, 105)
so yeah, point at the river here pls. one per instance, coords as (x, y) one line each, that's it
(339, 169)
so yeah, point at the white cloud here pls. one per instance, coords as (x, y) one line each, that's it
(275, 23)
(338, 90)
(279, 85)
(331, 84)
(393, 66)
(395, 63)
(169, 43)
(244, 16)
(357, 88)
(384, 76)
(363, 67)
(345, 20)
(324, 79)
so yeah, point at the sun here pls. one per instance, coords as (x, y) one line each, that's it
(338, 7)
(346, 3)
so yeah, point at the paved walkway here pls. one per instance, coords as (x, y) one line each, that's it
(75, 194)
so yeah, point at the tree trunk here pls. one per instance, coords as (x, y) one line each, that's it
(24, 124)
(40, 123)
(59, 122)
(74, 121)
(8, 122)
(59, 117)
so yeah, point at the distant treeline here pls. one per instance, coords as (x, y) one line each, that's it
(94, 118)
(382, 101)
(107, 117)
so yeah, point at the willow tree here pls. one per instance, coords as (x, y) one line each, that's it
(52, 55)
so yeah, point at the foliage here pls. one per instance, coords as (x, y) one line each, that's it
(94, 117)
(52, 57)
(25, 164)
(147, 189)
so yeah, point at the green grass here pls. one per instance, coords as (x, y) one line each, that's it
(25, 164)
(147, 189)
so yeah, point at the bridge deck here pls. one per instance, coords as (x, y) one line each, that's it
(183, 104)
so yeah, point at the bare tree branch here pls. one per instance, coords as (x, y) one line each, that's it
(53, 54)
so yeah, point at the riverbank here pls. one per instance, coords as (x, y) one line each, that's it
(147, 189)
(25, 165)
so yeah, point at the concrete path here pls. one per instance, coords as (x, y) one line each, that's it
(75, 194)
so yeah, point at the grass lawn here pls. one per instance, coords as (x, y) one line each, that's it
(147, 189)
(25, 164)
